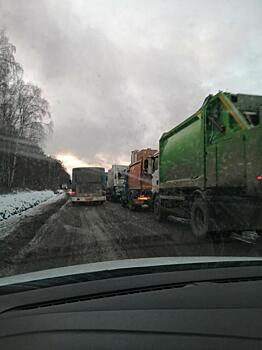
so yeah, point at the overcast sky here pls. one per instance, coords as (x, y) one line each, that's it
(117, 74)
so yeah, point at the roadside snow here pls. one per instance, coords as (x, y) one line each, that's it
(40, 201)
(15, 203)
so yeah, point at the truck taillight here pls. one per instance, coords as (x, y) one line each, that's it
(143, 198)
(259, 177)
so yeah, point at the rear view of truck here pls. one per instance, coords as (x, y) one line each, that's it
(210, 166)
(88, 185)
(115, 182)
(138, 189)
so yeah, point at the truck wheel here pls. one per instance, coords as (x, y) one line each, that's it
(199, 218)
(159, 214)
(131, 204)
(123, 202)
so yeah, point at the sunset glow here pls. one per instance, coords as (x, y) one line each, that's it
(70, 161)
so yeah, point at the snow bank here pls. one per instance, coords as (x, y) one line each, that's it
(13, 204)
(8, 226)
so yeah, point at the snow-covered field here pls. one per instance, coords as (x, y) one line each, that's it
(13, 204)
(16, 206)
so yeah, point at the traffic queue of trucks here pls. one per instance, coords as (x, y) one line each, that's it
(208, 168)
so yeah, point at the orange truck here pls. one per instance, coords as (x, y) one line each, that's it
(137, 191)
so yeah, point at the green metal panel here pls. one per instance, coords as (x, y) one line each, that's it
(231, 162)
(211, 166)
(228, 153)
(181, 155)
(218, 147)
(254, 160)
(225, 146)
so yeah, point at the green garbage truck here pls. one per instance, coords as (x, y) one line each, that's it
(210, 166)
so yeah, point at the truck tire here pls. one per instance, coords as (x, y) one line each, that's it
(159, 214)
(199, 218)
(123, 202)
(130, 203)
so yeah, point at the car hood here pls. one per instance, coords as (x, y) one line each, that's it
(119, 265)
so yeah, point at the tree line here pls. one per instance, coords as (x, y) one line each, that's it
(25, 122)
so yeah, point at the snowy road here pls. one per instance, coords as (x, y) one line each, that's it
(67, 235)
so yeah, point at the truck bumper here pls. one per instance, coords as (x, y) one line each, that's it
(143, 203)
(89, 199)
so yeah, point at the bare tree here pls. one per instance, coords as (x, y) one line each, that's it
(24, 115)
(10, 75)
(32, 119)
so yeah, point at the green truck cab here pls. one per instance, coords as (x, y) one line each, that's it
(210, 166)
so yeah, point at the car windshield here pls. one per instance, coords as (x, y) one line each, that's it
(129, 130)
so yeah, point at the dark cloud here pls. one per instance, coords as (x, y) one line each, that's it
(117, 74)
